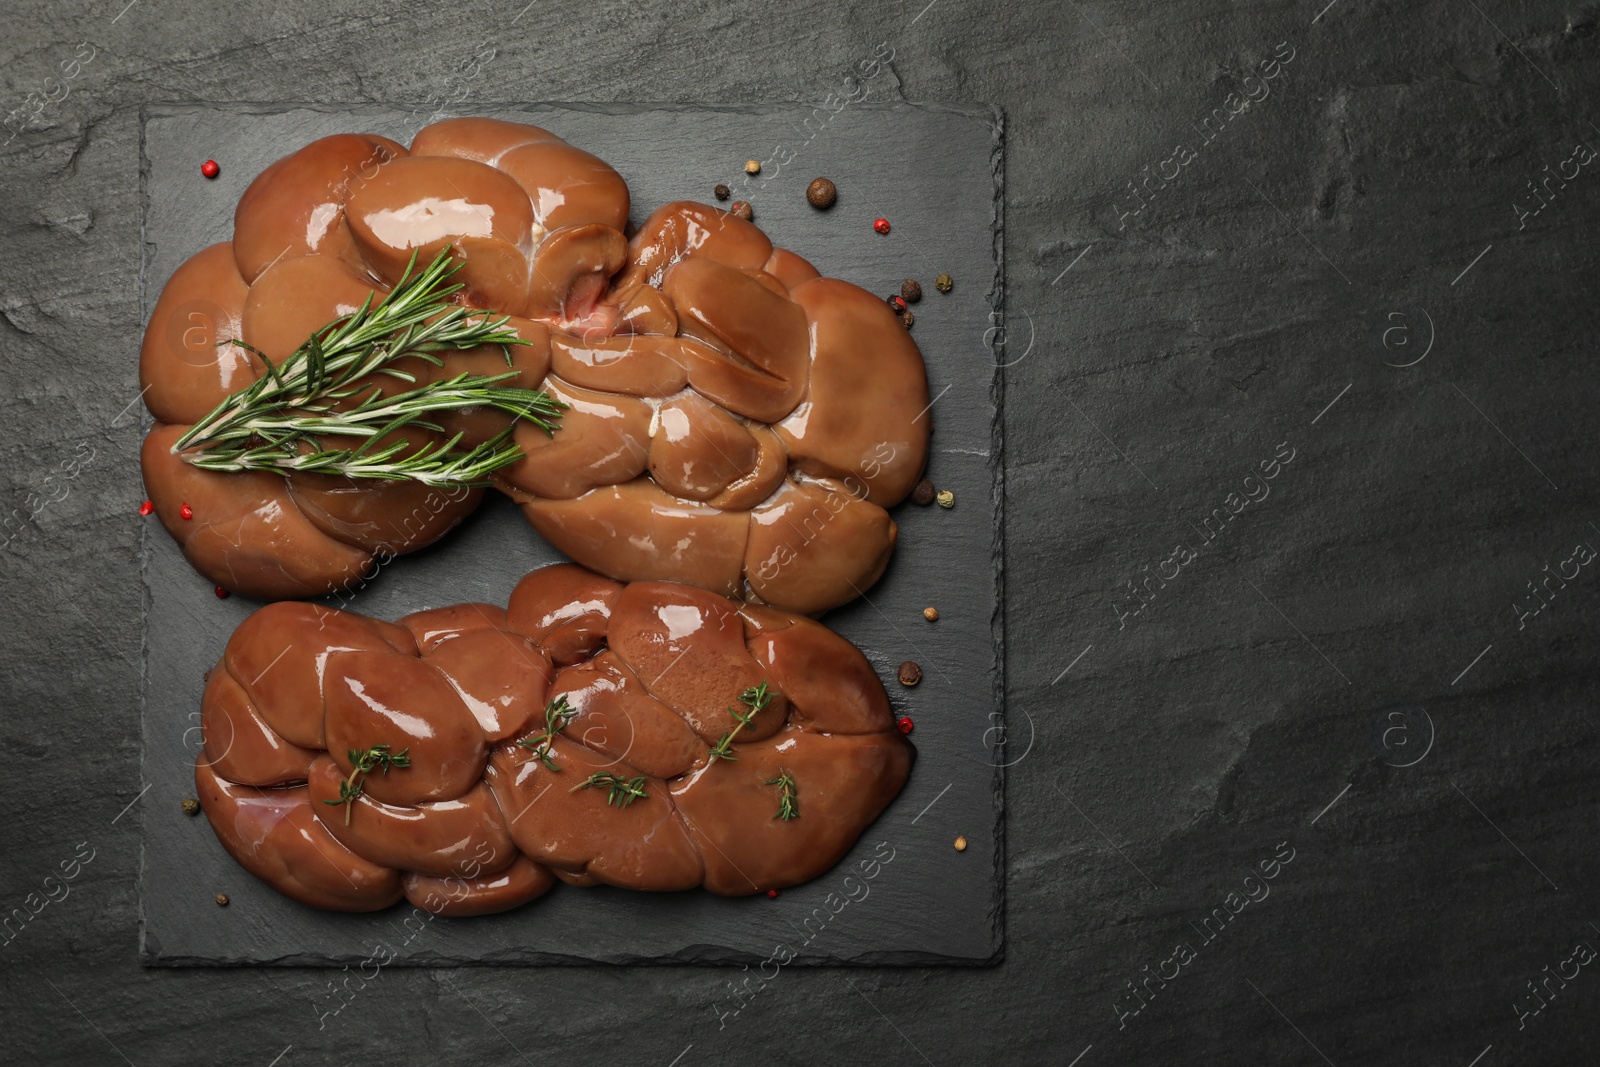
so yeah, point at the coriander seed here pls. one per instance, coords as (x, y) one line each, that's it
(946, 498)
(752, 166)
(931, 614)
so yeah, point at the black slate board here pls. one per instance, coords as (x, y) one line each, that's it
(936, 173)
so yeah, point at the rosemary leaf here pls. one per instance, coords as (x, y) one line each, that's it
(323, 388)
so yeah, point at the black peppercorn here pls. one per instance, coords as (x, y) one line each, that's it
(898, 303)
(911, 289)
(907, 319)
(923, 494)
(722, 191)
(910, 674)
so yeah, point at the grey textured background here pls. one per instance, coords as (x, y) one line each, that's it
(931, 904)
(1360, 617)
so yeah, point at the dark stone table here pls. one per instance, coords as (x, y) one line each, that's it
(1310, 771)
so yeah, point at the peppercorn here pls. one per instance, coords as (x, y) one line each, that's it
(931, 614)
(222, 900)
(752, 166)
(946, 498)
(907, 319)
(772, 894)
(821, 193)
(742, 209)
(191, 806)
(186, 511)
(923, 493)
(944, 283)
(722, 191)
(881, 225)
(146, 508)
(910, 674)
(222, 594)
(961, 844)
(911, 289)
(210, 168)
(904, 724)
(898, 303)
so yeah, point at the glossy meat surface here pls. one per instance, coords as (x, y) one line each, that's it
(468, 821)
(734, 420)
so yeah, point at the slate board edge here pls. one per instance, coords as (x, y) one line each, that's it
(151, 955)
(997, 467)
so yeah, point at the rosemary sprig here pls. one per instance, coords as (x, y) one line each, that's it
(755, 699)
(557, 714)
(365, 761)
(276, 422)
(620, 791)
(789, 796)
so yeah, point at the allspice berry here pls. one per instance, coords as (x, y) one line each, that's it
(907, 319)
(191, 806)
(961, 844)
(944, 283)
(931, 614)
(821, 193)
(222, 900)
(911, 289)
(722, 191)
(752, 166)
(923, 493)
(946, 498)
(910, 674)
(743, 210)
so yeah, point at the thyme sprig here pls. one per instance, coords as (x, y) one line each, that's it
(620, 792)
(363, 762)
(276, 423)
(557, 714)
(755, 699)
(789, 796)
